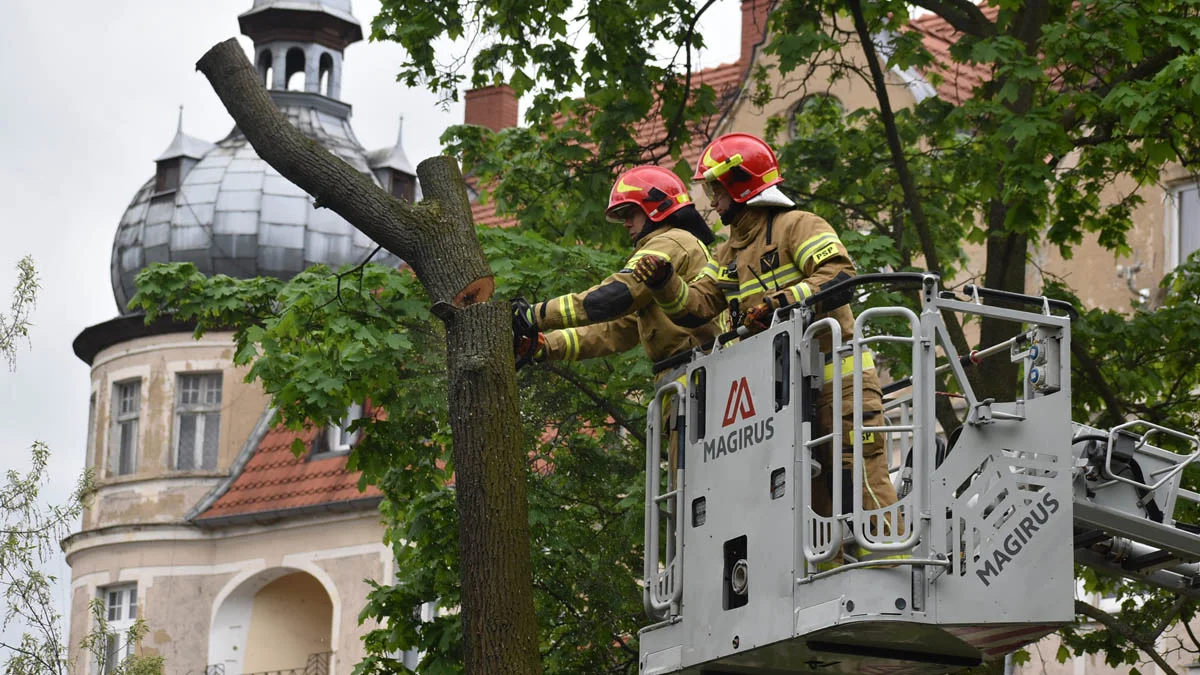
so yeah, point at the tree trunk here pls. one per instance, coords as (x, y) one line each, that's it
(437, 239)
(997, 377)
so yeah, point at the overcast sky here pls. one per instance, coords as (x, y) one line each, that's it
(91, 93)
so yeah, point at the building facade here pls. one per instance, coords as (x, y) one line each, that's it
(240, 557)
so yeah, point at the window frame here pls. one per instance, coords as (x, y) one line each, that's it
(118, 627)
(203, 410)
(1172, 205)
(120, 417)
(336, 438)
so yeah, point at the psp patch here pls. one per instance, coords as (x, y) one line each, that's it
(827, 251)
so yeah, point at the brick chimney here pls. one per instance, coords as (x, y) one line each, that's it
(492, 107)
(754, 26)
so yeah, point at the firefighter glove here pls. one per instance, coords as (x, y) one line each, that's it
(758, 317)
(652, 270)
(529, 349)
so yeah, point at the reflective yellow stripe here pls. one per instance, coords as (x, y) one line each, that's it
(710, 271)
(781, 278)
(677, 303)
(571, 350)
(810, 246)
(567, 308)
(803, 290)
(770, 175)
(848, 365)
(642, 254)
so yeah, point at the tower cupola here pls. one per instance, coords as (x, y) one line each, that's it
(298, 44)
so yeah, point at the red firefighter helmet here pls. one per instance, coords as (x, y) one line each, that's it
(744, 164)
(653, 189)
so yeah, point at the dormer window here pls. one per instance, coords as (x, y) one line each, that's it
(169, 173)
(338, 438)
(402, 185)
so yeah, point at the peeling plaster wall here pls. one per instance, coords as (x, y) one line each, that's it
(350, 574)
(155, 492)
(183, 573)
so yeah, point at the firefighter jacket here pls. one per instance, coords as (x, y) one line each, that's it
(619, 312)
(787, 254)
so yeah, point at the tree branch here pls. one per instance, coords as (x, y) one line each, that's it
(912, 200)
(964, 15)
(1091, 369)
(1120, 628)
(402, 228)
(600, 402)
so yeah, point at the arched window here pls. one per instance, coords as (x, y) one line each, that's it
(325, 68)
(295, 69)
(265, 61)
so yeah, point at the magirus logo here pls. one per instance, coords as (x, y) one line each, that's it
(1018, 538)
(740, 404)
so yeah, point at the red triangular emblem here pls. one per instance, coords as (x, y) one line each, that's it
(739, 404)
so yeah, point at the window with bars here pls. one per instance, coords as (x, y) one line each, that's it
(127, 405)
(197, 421)
(120, 613)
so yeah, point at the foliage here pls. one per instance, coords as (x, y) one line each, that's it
(31, 531)
(29, 534)
(322, 340)
(15, 325)
(592, 74)
(1073, 96)
(1068, 100)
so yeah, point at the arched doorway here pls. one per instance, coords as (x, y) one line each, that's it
(279, 619)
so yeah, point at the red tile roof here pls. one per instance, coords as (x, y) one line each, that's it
(274, 481)
(959, 80)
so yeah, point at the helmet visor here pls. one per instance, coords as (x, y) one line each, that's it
(620, 212)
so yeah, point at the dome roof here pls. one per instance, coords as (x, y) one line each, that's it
(233, 214)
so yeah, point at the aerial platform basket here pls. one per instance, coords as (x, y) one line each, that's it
(974, 560)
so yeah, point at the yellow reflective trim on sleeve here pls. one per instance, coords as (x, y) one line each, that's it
(676, 305)
(571, 348)
(710, 271)
(868, 361)
(633, 260)
(567, 308)
(804, 290)
(805, 250)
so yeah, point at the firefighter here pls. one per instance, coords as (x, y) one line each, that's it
(618, 313)
(776, 256)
